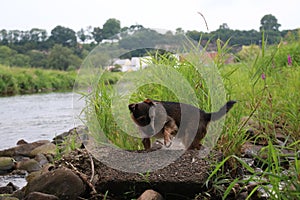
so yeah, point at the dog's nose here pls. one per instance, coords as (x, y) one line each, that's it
(131, 107)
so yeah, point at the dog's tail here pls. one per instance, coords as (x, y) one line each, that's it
(219, 114)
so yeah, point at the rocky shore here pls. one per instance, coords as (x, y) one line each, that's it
(64, 169)
(53, 171)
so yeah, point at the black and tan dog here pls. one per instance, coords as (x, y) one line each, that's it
(166, 119)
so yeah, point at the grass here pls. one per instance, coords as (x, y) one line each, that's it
(16, 80)
(267, 92)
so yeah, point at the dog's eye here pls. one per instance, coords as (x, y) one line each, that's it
(141, 119)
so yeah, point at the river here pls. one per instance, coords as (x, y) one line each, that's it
(35, 117)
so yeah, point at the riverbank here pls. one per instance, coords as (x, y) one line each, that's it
(19, 80)
(51, 167)
(16, 80)
(66, 168)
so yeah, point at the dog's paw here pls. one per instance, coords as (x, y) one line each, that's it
(168, 144)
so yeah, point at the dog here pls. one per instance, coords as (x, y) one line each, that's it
(163, 119)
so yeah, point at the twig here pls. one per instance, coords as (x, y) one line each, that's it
(92, 166)
(204, 20)
(83, 177)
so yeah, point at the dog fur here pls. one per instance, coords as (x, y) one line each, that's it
(167, 119)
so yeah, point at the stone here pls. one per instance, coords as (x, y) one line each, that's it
(150, 195)
(23, 149)
(250, 125)
(8, 198)
(6, 164)
(250, 150)
(30, 165)
(6, 190)
(41, 159)
(61, 182)
(20, 142)
(40, 196)
(48, 148)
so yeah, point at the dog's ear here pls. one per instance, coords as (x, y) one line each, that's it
(132, 107)
(158, 116)
(149, 101)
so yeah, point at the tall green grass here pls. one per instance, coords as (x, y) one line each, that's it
(267, 91)
(14, 80)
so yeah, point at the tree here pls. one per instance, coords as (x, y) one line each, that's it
(3, 37)
(38, 58)
(224, 26)
(97, 34)
(62, 58)
(179, 31)
(64, 36)
(6, 54)
(269, 23)
(111, 27)
(81, 35)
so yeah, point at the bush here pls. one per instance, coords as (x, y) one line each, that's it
(14, 80)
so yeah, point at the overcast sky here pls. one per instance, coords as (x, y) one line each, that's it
(162, 14)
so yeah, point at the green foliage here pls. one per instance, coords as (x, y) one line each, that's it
(6, 54)
(110, 28)
(32, 48)
(15, 80)
(269, 23)
(62, 58)
(64, 36)
(291, 50)
(248, 53)
(101, 116)
(38, 59)
(263, 99)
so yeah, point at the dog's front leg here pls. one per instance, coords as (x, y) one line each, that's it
(147, 143)
(167, 137)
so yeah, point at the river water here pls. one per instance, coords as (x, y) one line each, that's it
(35, 117)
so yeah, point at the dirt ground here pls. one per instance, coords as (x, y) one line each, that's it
(183, 178)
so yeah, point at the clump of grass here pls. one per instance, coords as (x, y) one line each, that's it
(14, 80)
(163, 79)
(265, 93)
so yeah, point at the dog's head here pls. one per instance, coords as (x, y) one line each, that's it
(140, 112)
(150, 115)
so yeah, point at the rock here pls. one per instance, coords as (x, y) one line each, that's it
(250, 150)
(30, 165)
(242, 195)
(50, 158)
(6, 164)
(250, 125)
(6, 190)
(20, 142)
(62, 137)
(8, 198)
(48, 148)
(150, 195)
(23, 149)
(41, 159)
(40, 196)
(62, 183)
(35, 174)
(19, 194)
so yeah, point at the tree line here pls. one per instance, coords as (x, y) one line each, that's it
(64, 48)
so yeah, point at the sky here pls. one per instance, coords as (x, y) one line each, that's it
(159, 14)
